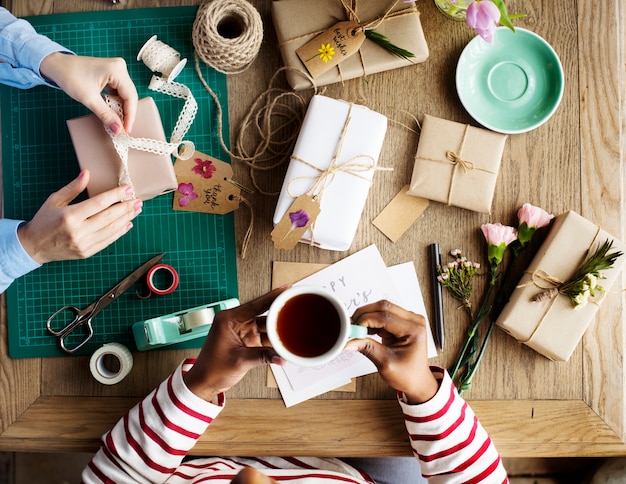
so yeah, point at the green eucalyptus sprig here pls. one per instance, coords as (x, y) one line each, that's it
(583, 285)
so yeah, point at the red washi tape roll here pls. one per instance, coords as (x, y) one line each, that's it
(164, 285)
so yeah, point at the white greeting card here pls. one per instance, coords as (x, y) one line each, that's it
(359, 279)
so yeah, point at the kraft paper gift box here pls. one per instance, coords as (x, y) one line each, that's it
(151, 174)
(457, 164)
(343, 197)
(298, 21)
(553, 327)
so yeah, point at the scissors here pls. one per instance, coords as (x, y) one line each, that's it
(83, 317)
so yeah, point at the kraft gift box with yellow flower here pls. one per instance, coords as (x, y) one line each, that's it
(298, 22)
(544, 319)
(333, 161)
(457, 164)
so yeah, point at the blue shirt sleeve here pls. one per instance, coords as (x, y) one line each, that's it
(21, 51)
(14, 261)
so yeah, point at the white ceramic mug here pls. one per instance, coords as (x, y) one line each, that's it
(309, 325)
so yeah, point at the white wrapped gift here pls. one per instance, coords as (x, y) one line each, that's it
(335, 157)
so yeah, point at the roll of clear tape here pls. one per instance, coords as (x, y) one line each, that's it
(111, 363)
(198, 318)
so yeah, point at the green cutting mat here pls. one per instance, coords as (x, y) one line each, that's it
(38, 159)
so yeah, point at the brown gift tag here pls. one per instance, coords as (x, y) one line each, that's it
(331, 47)
(296, 221)
(399, 214)
(205, 185)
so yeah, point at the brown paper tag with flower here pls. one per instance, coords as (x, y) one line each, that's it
(205, 185)
(332, 46)
(296, 221)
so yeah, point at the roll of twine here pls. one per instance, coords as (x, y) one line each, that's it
(227, 34)
(267, 134)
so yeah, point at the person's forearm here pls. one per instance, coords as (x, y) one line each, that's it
(22, 51)
(150, 442)
(447, 437)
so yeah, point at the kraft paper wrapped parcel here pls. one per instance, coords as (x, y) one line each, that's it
(151, 174)
(553, 327)
(345, 192)
(457, 164)
(298, 21)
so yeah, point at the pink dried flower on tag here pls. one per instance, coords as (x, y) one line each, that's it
(205, 168)
(188, 194)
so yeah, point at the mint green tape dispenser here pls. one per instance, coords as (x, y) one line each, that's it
(179, 326)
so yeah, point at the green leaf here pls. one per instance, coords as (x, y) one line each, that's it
(598, 260)
(383, 41)
(505, 18)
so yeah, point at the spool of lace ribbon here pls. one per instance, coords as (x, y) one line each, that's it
(227, 34)
(160, 57)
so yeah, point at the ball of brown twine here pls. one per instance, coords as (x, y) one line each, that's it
(227, 34)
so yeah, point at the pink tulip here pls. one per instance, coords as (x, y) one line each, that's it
(483, 16)
(533, 217)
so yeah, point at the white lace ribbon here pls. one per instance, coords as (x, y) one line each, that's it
(123, 141)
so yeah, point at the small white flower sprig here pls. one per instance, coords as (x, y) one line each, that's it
(457, 277)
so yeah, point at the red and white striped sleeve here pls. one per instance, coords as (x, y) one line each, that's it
(449, 441)
(151, 440)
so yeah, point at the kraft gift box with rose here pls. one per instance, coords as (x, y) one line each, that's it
(334, 160)
(553, 326)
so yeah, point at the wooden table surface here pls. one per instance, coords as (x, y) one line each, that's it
(530, 406)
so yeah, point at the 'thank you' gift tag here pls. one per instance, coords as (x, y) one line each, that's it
(205, 185)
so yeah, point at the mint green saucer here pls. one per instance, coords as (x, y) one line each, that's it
(513, 85)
